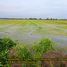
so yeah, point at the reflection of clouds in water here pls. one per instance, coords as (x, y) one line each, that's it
(33, 36)
(62, 40)
(2, 33)
(29, 37)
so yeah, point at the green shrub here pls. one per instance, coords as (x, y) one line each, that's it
(23, 53)
(5, 45)
(42, 46)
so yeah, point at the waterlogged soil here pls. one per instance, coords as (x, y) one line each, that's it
(29, 34)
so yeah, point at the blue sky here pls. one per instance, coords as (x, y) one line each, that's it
(33, 8)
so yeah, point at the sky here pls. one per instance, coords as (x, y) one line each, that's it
(33, 8)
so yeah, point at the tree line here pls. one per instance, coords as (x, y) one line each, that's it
(31, 19)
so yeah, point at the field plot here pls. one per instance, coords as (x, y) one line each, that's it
(29, 31)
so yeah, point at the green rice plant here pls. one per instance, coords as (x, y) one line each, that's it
(23, 53)
(5, 45)
(42, 46)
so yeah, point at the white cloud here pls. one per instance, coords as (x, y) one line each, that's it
(33, 8)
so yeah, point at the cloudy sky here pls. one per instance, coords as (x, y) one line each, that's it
(33, 8)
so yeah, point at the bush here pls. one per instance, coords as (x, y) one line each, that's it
(42, 46)
(23, 53)
(5, 45)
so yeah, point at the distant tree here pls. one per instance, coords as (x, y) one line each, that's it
(32, 18)
(47, 18)
(40, 18)
(25, 18)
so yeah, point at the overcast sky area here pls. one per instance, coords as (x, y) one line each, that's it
(33, 8)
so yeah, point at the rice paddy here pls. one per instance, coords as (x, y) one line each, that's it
(29, 31)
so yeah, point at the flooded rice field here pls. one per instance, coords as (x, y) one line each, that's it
(30, 33)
